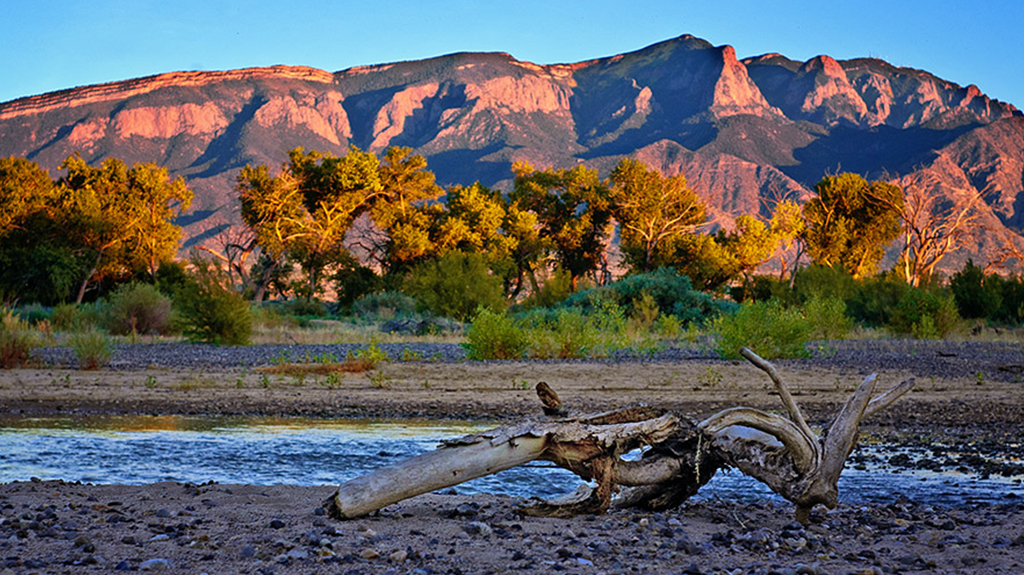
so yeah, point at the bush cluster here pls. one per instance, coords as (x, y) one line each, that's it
(16, 340)
(206, 311)
(138, 308)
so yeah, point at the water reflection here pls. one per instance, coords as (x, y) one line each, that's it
(265, 451)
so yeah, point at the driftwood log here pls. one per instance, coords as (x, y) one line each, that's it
(679, 455)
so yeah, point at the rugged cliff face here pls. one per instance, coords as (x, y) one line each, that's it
(741, 131)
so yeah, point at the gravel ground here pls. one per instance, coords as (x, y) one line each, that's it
(999, 361)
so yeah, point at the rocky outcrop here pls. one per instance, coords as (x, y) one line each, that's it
(130, 88)
(742, 131)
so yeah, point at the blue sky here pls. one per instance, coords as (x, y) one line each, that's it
(51, 45)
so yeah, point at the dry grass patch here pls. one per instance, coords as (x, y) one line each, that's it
(350, 365)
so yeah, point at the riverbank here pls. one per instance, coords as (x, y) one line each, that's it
(57, 527)
(966, 396)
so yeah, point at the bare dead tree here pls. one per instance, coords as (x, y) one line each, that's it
(936, 222)
(680, 455)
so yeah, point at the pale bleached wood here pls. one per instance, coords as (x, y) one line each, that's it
(430, 471)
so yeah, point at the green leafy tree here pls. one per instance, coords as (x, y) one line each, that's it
(708, 264)
(851, 221)
(787, 225)
(38, 262)
(574, 211)
(405, 211)
(751, 243)
(651, 210)
(304, 213)
(119, 218)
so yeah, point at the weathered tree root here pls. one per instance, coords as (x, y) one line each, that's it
(680, 456)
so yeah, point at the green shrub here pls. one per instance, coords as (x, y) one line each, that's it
(1012, 308)
(65, 317)
(827, 317)
(383, 306)
(565, 334)
(645, 312)
(171, 276)
(556, 289)
(823, 281)
(924, 314)
(767, 328)
(209, 312)
(16, 340)
(138, 308)
(306, 307)
(976, 295)
(92, 348)
(456, 285)
(33, 314)
(874, 300)
(673, 294)
(495, 336)
(668, 327)
(353, 281)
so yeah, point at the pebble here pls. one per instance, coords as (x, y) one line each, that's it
(398, 556)
(478, 528)
(157, 564)
(248, 551)
(369, 554)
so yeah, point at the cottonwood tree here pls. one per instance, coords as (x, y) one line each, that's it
(118, 217)
(751, 243)
(404, 212)
(574, 211)
(787, 225)
(850, 222)
(304, 213)
(37, 261)
(651, 210)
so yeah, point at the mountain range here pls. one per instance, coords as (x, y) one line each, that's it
(744, 132)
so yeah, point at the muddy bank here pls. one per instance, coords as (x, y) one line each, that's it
(56, 527)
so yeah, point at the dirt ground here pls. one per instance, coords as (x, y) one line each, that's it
(58, 527)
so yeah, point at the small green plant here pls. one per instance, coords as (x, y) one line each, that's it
(769, 329)
(150, 381)
(495, 336)
(240, 382)
(426, 384)
(710, 378)
(369, 357)
(379, 381)
(92, 348)
(411, 355)
(264, 381)
(16, 340)
(332, 381)
(979, 379)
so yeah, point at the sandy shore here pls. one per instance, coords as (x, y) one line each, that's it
(56, 527)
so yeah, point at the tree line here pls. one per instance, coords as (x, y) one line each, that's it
(358, 223)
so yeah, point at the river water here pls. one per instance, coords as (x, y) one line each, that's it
(266, 451)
